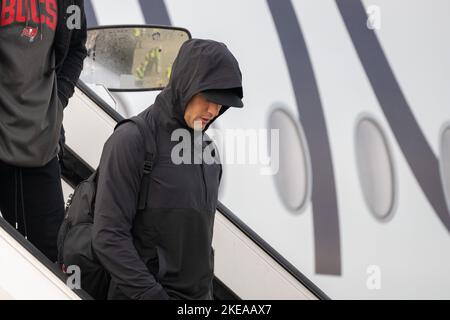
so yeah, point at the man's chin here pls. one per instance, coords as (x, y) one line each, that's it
(199, 125)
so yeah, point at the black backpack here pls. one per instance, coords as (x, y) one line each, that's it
(75, 234)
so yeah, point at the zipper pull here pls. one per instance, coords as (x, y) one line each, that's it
(69, 201)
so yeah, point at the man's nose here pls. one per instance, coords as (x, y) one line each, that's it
(214, 109)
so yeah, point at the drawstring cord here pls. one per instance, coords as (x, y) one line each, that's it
(27, 12)
(41, 31)
(16, 201)
(23, 204)
(15, 198)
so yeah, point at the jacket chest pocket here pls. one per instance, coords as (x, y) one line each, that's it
(175, 186)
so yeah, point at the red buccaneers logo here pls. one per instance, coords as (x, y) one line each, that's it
(16, 11)
(29, 32)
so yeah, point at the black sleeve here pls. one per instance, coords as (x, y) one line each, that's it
(118, 185)
(73, 63)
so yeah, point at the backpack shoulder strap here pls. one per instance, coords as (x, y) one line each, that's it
(147, 132)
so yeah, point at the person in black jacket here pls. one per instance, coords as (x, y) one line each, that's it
(164, 250)
(42, 48)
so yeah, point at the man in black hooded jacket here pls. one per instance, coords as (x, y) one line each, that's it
(164, 251)
(42, 48)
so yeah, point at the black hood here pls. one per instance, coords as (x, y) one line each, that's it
(200, 65)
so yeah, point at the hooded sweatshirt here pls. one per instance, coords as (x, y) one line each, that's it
(30, 111)
(163, 251)
(40, 63)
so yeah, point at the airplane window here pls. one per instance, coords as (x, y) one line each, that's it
(375, 168)
(445, 162)
(293, 180)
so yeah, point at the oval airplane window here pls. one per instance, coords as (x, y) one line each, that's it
(293, 179)
(375, 168)
(445, 162)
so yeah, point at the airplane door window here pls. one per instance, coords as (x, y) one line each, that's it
(375, 168)
(293, 180)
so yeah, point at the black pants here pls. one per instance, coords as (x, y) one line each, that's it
(31, 200)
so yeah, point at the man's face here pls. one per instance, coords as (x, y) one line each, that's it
(199, 112)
